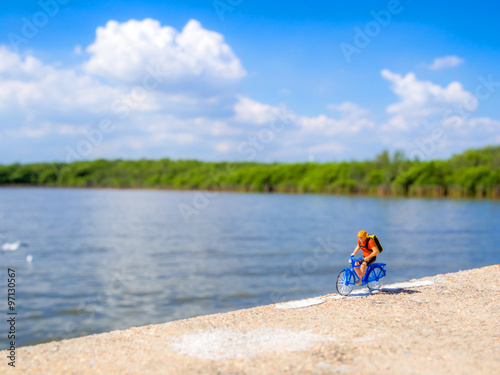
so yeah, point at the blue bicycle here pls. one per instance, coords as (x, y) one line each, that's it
(373, 278)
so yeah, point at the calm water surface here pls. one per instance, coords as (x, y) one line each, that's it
(110, 259)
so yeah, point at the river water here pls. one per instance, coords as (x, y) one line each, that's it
(96, 260)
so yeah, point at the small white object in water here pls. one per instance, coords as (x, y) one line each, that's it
(300, 303)
(29, 258)
(11, 246)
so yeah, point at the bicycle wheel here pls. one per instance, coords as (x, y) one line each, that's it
(376, 278)
(343, 279)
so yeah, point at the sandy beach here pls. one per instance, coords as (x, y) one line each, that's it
(436, 325)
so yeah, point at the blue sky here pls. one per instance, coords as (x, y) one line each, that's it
(262, 81)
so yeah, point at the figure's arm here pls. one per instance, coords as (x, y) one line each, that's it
(355, 250)
(375, 252)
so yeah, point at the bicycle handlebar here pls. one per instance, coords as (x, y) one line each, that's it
(355, 260)
(352, 257)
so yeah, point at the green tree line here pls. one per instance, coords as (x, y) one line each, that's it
(471, 173)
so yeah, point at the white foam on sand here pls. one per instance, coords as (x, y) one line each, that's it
(389, 288)
(398, 286)
(300, 303)
(357, 294)
(223, 343)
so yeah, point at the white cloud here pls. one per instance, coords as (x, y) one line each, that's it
(37, 91)
(329, 147)
(422, 99)
(13, 67)
(56, 105)
(45, 128)
(200, 127)
(221, 128)
(434, 120)
(302, 136)
(250, 111)
(352, 119)
(445, 62)
(349, 109)
(127, 52)
(485, 122)
(197, 111)
(329, 126)
(223, 147)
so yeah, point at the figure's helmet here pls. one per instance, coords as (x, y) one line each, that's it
(362, 233)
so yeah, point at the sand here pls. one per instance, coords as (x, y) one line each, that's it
(438, 325)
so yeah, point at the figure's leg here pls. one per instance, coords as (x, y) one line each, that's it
(363, 270)
(357, 270)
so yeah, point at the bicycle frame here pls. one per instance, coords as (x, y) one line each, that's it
(365, 280)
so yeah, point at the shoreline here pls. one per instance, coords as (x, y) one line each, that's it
(493, 198)
(447, 323)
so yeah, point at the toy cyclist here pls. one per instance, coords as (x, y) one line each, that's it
(370, 252)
